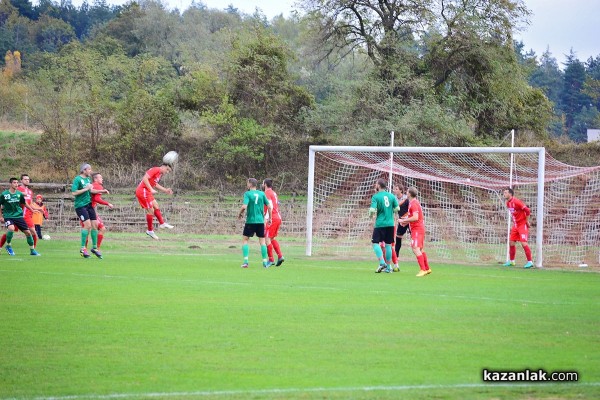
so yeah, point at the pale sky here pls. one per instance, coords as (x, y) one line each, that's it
(559, 24)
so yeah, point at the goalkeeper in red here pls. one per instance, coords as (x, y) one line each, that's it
(384, 205)
(520, 230)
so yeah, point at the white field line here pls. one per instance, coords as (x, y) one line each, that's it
(207, 393)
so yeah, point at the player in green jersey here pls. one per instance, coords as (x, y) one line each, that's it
(254, 204)
(383, 204)
(12, 202)
(82, 189)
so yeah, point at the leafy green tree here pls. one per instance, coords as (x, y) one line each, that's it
(25, 8)
(262, 88)
(237, 143)
(572, 98)
(548, 77)
(148, 127)
(120, 28)
(586, 119)
(592, 84)
(52, 33)
(200, 90)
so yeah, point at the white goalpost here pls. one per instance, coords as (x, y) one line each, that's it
(461, 194)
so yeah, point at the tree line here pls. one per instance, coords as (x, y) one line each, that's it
(241, 95)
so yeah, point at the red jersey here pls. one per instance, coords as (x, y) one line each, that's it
(154, 176)
(415, 207)
(272, 196)
(28, 194)
(518, 210)
(97, 197)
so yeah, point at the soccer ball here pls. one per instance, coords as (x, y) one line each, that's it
(46, 237)
(171, 158)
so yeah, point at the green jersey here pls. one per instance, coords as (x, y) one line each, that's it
(11, 204)
(256, 202)
(385, 204)
(85, 198)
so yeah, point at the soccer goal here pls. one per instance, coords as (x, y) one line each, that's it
(461, 195)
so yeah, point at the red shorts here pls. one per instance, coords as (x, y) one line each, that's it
(417, 238)
(519, 233)
(144, 197)
(98, 219)
(273, 229)
(29, 221)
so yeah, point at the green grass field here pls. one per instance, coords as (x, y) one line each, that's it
(163, 320)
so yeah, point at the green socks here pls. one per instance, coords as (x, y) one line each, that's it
(263, 252)
(378, 252)
(245, 252)
(388, 254)
(94, 238)
(84, 236)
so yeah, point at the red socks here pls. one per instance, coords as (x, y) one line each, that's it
(270, 251)
(149, 218)
(276, 247)
(100, 237)
(512, 251)
(159, 216)
(421, 261)
(3, 240)
(527, 252)
(425, 259)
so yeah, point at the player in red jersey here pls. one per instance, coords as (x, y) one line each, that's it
(97, 184)
(145, 195)
(520, 231)
(27, 213)
(273, 224)
(415, 220)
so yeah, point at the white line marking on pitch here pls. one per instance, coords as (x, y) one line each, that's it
(205, 393)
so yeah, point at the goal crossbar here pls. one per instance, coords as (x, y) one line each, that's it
(540, 151)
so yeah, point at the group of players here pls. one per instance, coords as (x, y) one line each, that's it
(385, 204)
(385, 233)
(262, 217)
(87, 189)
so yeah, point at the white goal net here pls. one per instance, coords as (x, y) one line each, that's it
(461, 195)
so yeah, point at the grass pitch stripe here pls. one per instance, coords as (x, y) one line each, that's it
(297, 287)
(206, 393)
